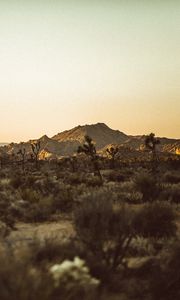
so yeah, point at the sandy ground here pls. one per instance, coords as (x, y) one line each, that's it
(26, 233)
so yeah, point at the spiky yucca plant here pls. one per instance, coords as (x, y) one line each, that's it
(151, 143)
(22, 153)
(90, 150)
(36, 150)
(112, 151)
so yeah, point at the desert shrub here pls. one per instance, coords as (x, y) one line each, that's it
(60, 174)
(39, 211)
(30, 195)
(171, 193)
(53, 249)
(142, 247)
(147, 185)
(135, 289)
(2, 174)
(171, 177)
(131, 198)
(46, 251)
(46, 206)
(165, 279)
(16, 181)
(127, 186)
(6, 212)
(29, 181)
(64, 200)
(106, 232)
(4, 230)
(74, 178)
(93, 181)
(1, 186)
(50, 185)
(22, 277)
(19, 280)
(74, 278)
(46, 185)
(156, 220)
(174, 163)
(116, 176)
(81, 178)
(42, 203)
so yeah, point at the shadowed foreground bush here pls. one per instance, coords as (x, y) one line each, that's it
(23, 278)
(165, 279)
(146, 184)
(108, 232)
(156, 220)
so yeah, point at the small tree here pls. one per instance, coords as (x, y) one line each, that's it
(36, 150)
(151, 142)
(112, 153)
(90, 150)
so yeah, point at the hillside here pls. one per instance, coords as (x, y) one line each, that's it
(66, 143)
(100, 133)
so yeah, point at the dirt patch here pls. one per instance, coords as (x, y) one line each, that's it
(26, 233)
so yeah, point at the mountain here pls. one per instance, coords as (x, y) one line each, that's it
(66, 143)
(100, 133)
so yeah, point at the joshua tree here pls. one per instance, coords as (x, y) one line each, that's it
(112, 153)
(151, 142)
(90, 150)
(36, 149)
(22, 152)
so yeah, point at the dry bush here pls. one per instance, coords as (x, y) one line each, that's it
(156, 220)
(171, 177)
(39, 211)
(64, 200)
(165, 278)
(75, 178)
(115, 175)
(147, 185)
(7, 213)
(105, 232)
(16, 181)
(28, 275)
(109, 233)
(20, 280)
(171, 193)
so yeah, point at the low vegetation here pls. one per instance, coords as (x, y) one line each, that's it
(125, 218)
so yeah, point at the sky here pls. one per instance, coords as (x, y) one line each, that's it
(65, 63)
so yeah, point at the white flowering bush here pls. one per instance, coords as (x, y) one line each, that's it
(73, 276)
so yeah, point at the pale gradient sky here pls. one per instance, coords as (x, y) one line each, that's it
(67, 63)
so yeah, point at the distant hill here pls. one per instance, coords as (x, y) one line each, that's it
(100, 133)
(66, 143)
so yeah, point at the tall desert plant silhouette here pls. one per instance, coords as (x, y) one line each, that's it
(22, 153)
(151, 143)
(111, 152)
(90, 150)
(36, 150)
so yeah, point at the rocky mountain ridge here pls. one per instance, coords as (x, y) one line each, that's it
(66, 143)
